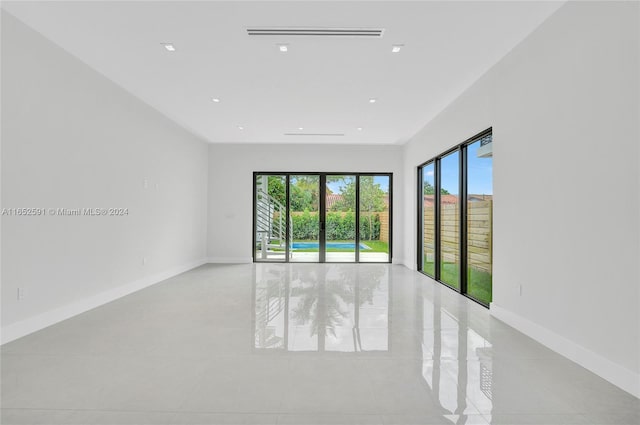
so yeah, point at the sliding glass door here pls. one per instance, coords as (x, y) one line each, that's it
(427, 204)
(304, 214)
(270, 217)
(340, 224)
(455, 212)
(449, 215)
(322, 217)
(479, 220)
(374, 216)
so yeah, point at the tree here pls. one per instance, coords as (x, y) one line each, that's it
(348, 192)
(275, 187)
(430, 190)
(304, 193)
(325, 306)
(371, 200)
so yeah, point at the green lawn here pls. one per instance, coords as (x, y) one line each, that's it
(429, 268)
(479, 286)
(450, 274)
(376, 246)
(479, 282)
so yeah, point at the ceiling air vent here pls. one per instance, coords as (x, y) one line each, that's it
(317, 32)
(314, 134)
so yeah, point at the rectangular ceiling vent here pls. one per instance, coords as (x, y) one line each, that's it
(314, 134)
(317, 32)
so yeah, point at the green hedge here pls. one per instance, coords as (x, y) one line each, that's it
(340, 226)
(305, 226)
(374, 228)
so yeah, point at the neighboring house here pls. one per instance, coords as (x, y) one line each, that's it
(332, 198)
(479, 198)
(453, 199)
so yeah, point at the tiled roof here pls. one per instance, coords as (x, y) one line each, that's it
(453, 199)
(332, 198)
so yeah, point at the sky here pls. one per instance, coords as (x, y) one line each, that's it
(383, 181)
(480, 172)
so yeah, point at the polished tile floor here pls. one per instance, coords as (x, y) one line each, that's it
(297, 344)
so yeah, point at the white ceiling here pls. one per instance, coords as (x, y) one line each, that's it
(321, 84)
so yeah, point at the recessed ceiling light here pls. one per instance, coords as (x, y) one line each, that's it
(240, 127)
(170, 47)
(215, 99)
(359, 128)
(396, 48)
(372, 100)
(300, 128)
(283, 47)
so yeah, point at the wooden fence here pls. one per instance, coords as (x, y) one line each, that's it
(479, 230)
(384, 225)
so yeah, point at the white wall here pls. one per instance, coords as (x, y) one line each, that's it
(73, 139)
(564, 110)
(231, 170)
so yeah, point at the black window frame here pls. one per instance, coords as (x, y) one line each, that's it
(322, 207)
(463, 183)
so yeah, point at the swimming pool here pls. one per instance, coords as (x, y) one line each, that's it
(338, 245)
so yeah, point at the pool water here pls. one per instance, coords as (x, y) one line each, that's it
(316, 245)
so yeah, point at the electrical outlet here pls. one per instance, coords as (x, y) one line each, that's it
(144, 261)
(145, 183)
(21, 294)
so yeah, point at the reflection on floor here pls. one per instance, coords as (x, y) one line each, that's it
(322, 309)
(297, 344)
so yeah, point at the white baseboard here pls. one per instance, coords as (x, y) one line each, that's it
(24, 327)
(612, 372)
(230, 260)
(411, 265)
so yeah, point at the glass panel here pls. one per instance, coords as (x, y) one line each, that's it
(341, 219)
(305, 218)
(479, 219)
(428, 220)
(374, 218)
(271, 218)
(450, 219)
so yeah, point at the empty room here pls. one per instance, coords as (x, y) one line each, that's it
(320, 212)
